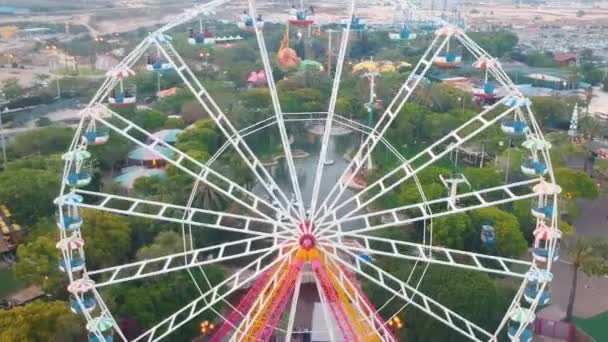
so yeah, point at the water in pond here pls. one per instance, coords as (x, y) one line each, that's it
(306, 167)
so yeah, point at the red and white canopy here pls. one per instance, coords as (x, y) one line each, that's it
(70, 243)
(546, 188)
(123, 72)
(81, 285)
(542, 232)
(484, 63)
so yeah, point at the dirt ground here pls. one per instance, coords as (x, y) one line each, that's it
(509, 14)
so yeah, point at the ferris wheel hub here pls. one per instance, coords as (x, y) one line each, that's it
(307, 241)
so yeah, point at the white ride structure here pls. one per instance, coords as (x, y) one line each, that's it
(289, 226)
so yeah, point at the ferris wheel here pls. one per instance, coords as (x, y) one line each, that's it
(327, 238)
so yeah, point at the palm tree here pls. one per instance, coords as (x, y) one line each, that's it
(590, 127)
(588, 256)
(208, 198)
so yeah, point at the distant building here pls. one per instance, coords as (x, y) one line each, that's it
(564, 59)
(8, 32)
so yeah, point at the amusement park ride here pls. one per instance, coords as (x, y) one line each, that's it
(310, 238)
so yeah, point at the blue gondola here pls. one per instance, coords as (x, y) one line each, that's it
(356, 23)
(70, 223)
(488, 235)
(88, 302)
(514, 127)
(526, 335)
(155, 64)
(532, 291)
(106, 337)
(76, 264)
(542, 211)
(489, 88)
(531, 167)
(79, 179)
(542, 254)
(96, 137)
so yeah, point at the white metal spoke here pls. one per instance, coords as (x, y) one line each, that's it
(213, 296)
(362, 305)
(408, 293)
(278, 112)
(184, 260)
(331, 109)
(434, 255)
(441, 207)
(223, 123)
(384, 122)
(428, 156)
(189, 165)
(179, 214)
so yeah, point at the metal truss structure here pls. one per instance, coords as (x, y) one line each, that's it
(332, 238)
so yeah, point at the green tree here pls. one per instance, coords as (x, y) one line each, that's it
(589, 256)
(483, 178)
(165, 243)
(552, 111)
(202, 137)
(38, 265)
(209, 198)
(41, 321)
(472, 294)
(590, 127)
(453, 231)
(110, 153)
(46, 140)
(600, 167)
(576, 184)
(150, 120)
(174, 123)
(107, 238)
(11, 88)
(151, 301)
(509, 238)
(28, 186)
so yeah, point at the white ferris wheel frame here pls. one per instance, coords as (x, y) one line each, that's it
(260, 220)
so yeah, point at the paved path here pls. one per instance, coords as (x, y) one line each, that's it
(593, 217)
(592, 293)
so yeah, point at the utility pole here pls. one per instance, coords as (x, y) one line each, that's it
(329, 52)
(3, 142)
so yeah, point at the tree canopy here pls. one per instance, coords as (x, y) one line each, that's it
(47, 140)
(29, 186)
(107, 238)
(41, 321)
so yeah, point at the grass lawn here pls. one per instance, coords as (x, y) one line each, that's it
(8, 282)
(594, 326)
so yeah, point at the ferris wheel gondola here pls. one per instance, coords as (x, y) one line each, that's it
(157, 63)
(204, 36)
(449, 59)
(356, 23)
(122, 97)
(301, 16)
(249, 24)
